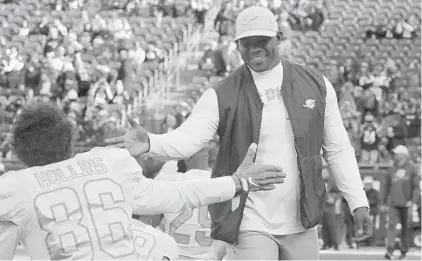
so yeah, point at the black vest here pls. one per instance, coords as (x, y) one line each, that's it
(240, 110)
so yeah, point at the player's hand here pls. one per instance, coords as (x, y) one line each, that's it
(256, 177)
(364, 224)
(136, 140)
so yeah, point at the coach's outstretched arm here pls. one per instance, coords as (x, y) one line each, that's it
(157, 197)
(200, 127)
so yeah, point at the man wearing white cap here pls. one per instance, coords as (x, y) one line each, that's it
(291, 112)
(401, 192)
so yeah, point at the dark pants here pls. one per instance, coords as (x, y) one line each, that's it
(329, 229)
(350, 228)
(374, 222)
(398, 215)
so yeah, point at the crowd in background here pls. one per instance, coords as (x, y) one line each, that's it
(378, 111)
(86, 64)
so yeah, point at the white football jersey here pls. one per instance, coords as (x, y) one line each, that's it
(83, 205)
(152, 244)
(191, 228)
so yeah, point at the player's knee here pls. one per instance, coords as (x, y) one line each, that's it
(42, 134)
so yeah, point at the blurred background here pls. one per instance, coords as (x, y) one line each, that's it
(102, 60)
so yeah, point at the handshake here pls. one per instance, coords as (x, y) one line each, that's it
(248, 177)
(256, 177)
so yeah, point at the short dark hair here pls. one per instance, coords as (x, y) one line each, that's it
(42, 134)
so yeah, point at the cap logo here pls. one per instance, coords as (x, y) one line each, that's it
(250, 20)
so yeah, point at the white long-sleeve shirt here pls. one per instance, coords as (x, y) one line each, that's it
(275, 211)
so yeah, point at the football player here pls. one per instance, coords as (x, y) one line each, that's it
(191, 228)
(80, 207)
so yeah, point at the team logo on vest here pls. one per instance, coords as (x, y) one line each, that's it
(309, 103)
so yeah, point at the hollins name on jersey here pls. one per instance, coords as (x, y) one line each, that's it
(82, 168)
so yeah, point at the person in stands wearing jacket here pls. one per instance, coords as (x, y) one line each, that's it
(291, 112)
(373, 196)
(401, 192)
(373, 199)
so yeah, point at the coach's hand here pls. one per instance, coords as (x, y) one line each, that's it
(364, 224)
(256, 177)
(136, 140)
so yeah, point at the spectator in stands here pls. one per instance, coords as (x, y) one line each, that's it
(351, 118)
(329, 224)
(364, 76)
(348, 69)
(390, 32)
(101, 92)
(396, 135)
(414, 75)
(137, 54)
(32, 74)
(218, 60)
(401, 192)
(98, 24)
(380, 30)
(413, 123)
(206, 62)
(43, 27)
(404, 30)
(199, 9)
(14, 68)
(44, 85)
(225, 19)
(153, 53)
(380, 82)
(414, 22)
(24, 30)
(370, 140)
(374, 199)
(369, 103)
(314, 18)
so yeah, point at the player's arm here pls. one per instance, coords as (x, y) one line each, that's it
(152, 197)
(339, 153)
(9, 239)
(200, 127)
(157, 197)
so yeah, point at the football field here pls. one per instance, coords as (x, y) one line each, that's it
(343, 254)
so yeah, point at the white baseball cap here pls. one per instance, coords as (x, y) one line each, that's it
(256, 21)
(400, 149)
